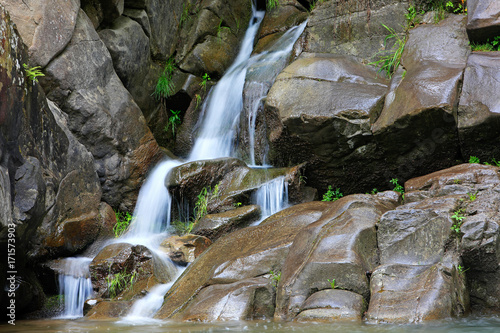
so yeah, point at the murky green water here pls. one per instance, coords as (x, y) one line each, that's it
(469, 325)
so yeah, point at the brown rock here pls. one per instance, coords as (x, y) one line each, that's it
(184, 249)
(483, 20)
(214, 226)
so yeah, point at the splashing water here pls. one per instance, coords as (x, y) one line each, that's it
(272, 197)
(75, 285)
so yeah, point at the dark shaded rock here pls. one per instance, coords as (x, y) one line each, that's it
(416, 293)
(236, 182)
(129, 48)
(340, 245)
(353, 27)
(417, 123)
(333, 305)
(247, 299)
(141, 17)
(47, 179)
(214, 226)
(319, 110)
(483, 20)
(183, 250)
(46, 26)
(129, 260)
(479, 108)
(245, 253)
(102, 115)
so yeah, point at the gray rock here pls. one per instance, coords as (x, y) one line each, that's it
(247, 299)
(333, 305)
(102, 114)
(129, 48)
(483, 20)
(479, 108)
(46, 26)
(417, 293)
(341, 245)
(353, 27)
(416, 233)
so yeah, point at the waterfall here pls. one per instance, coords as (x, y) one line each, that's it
(75, 285)
(225, 102)
(152, 211)
(272, 196)
(218, 128)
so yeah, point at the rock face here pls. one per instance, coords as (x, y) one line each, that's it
(321, 108)
(353, 27)
(48, 186)
(483, 20)
(103, 115)
(479, 108)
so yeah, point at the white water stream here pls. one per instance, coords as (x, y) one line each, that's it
(75, 285)
(218, 129)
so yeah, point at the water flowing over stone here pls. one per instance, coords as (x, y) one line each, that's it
(272, 196)
(225, 103)
(75, 285)
(152, 211)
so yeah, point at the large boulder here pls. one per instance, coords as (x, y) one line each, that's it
(102, 114)
(319, 110)
(49, 189)
(129, 47)
(479, 108)
(353, 27)
(244, 254)
(46, 26)
(483, 20)
(341, 245)
(417, 126)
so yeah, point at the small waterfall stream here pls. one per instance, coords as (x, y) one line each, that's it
(218, 129)
(75, 285)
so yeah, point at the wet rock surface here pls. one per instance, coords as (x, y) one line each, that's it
(479, 110)
(483, 20)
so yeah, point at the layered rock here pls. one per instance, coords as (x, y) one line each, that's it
(479, 108)
(319, 110)
(51, 196)
(483, 20)
(102, 114)
(353, 27)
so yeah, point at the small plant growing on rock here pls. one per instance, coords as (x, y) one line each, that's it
(123, 220)
(272, 4)
(165, 87)
(489, 46)
(202, 201)
(461, 269)
(332, 283)
(118, 282)
(397, 187)
(474, 159)
(33, 72)
(458, 217)
(472, 196)
(173, 121)
(275, 278)
(204, 80)
(332, 195)
(181, 228)
(221, 28)
(197, 98)
(389, 60)
(460, 8)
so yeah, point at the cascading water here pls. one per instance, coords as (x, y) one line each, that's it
(225, 103)
(152, 211)
(272, 196)
(75, 285)
(218, 129)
